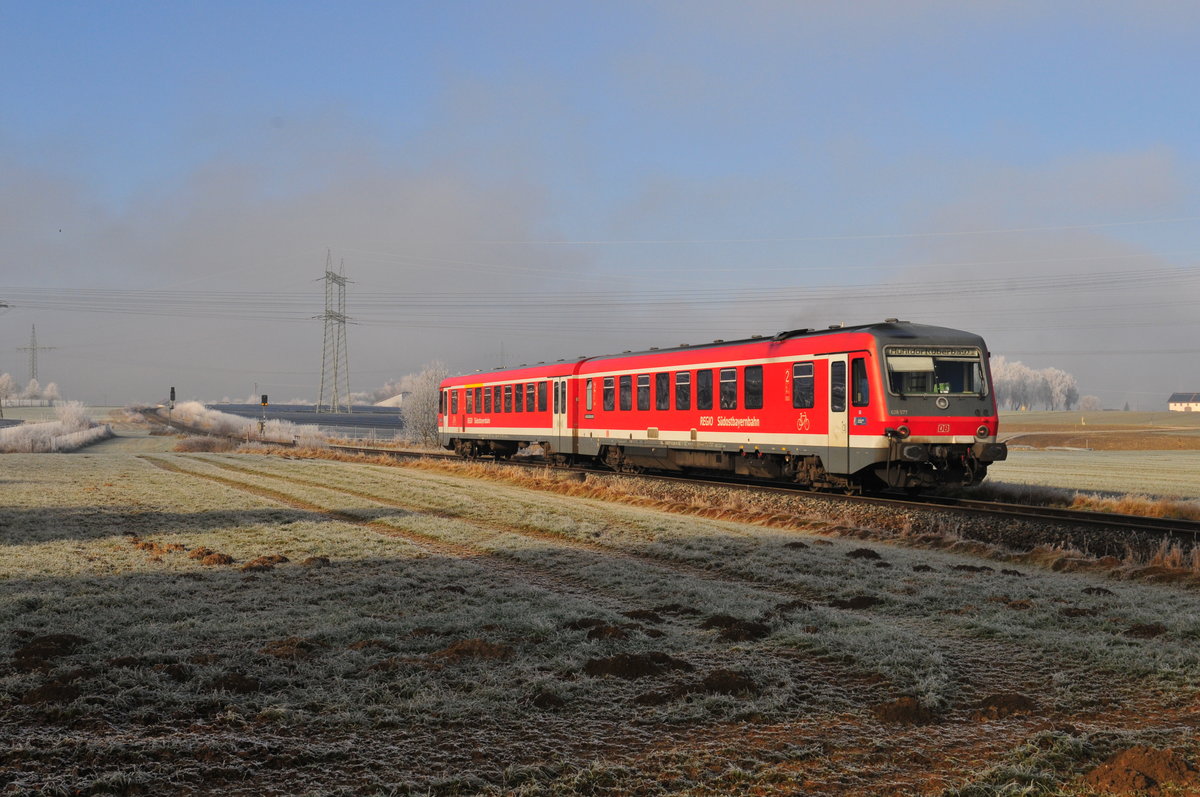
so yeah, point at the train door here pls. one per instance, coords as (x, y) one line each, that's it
(838, 456)
(564, 440)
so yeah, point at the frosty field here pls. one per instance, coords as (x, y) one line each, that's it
(240, 624)
(1170, 474)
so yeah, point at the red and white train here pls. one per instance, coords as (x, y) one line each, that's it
(890, 404)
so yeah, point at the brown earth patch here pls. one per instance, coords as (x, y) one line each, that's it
(728, 682)
(1003, 705)
(856, 602)
(293, 647)
(315, 561)
(903, 711)
(473, 649)
(235, 683)
(795, 544)
(200, 553)
(922, 569)
(735, 629)
(607, 631)
(53, 692)
(676, 608)
(644, 615)
(1145, 631)
(38, 652)
(265, 562)
(634, 665)
(214, 559)
(863, 553)
(1096, 591)
(1142, 770)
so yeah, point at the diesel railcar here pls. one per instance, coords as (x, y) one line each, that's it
(873, 406)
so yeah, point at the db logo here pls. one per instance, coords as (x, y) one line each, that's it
(943, 428)
(802, 423)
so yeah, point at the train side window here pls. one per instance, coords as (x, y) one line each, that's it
(588, 396)
(530, 392)
(453, 402)
(683, 390)
(519, 398)
(479, 399)
(609, 392)
(626, 383)
(704, 389)
(803, 392)
(470, 401)
(860, 395)
(487, 400)
(754, 387)
(541, 388)
(643, 391)
(497, 398)
(442, 402)
(837, 387)
(729, 382)
(508, 398)
(662, 391)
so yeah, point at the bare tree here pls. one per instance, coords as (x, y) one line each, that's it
(51, 392)
(6, 389)
(33, 390)
(421, 404)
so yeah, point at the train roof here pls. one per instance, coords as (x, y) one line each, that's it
(890, 329)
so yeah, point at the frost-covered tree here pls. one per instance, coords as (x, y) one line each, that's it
(32, 390)
(1019, 386)
(6, 389)
(421, 404)
(1090, 403)
(50, 391)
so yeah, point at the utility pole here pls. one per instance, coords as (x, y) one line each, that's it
(33, 348)
(335, 358)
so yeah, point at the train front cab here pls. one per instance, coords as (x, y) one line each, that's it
(941, 422)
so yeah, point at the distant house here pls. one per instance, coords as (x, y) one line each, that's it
(1184, 402)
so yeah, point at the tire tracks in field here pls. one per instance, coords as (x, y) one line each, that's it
(801, 666)
(992, 659)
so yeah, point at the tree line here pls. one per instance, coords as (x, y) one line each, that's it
(1018, 386)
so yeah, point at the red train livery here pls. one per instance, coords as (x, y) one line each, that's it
(891, 404)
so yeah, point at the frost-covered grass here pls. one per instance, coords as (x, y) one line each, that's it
(73, 430)
(449, 643)
(1160, 474)
(195, 417)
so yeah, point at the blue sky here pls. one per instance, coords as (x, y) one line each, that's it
(675, 162)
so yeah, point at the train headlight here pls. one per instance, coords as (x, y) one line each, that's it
(982, 432)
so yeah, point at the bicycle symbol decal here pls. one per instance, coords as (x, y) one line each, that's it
(802, 422)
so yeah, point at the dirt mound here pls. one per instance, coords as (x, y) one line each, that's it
(1008, 572)
(644, 615)
(293, 647)
(675, 608)
(315, 561)
(634, 665)
(973, 568)
(52, 692)
(235, 683)
(728, 682)
(863, 553)
(856, 602)
(547, 700)
(795, 544)
(265, 562)
(1097, 591)
(1145, 631)
(922, 569)
(473, 649)
(734, 629)
(1142, 770)
(903, 711)
(217, 559)
(38, 653)
(200, 553)
(607, 631)
(1002, 705)
(585, 623)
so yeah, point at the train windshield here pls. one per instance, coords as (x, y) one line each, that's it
(935, 370)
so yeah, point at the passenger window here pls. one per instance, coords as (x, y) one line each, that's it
(487, 400)
(729, 389)
(508, 398)
(470, 401)
(626, 392)
(541, 396)
(588, 398)
(643, 396)
(803, 393)
(609, 391)
(530, 392)
(683, 390)
(479, 399)
(453, 402)
(497, 392)
(754, 387)
(861, 394)
(837, 387)
(704, 389)
(662, 391)
(519, 398)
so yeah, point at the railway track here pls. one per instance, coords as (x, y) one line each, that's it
(1096, 533)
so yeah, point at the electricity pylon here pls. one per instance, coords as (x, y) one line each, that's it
(335, 359)
(33, 348)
